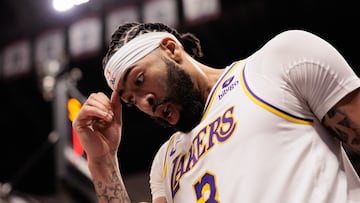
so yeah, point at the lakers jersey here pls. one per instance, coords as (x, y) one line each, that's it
(260, 137)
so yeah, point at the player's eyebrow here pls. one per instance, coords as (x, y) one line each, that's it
(126, 75)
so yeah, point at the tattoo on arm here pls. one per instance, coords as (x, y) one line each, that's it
(113, 192)
(339, 124)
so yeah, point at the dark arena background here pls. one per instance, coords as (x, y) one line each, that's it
(50, 61)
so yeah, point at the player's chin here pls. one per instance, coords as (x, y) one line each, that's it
(162, 122)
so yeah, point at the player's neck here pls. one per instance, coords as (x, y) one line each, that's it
(203, 76)
(206, 79)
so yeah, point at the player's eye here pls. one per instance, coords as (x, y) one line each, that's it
(139, 79)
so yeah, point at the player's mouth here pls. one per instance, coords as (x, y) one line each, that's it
(167, 112)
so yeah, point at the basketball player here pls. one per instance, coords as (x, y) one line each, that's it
(267, 128)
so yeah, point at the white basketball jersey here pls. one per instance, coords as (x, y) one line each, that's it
(260, 138)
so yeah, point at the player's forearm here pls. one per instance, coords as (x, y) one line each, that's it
(108, 182)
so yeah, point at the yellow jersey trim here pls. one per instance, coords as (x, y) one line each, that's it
(253, 97)
(213, 93)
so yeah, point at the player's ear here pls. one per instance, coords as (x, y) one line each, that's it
(171, 48)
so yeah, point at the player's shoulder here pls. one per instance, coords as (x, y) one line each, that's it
(295, 38)
(294, 33)
(293, 42)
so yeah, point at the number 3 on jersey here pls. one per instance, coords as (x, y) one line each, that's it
(205, 189)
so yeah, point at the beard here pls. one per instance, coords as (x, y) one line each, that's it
(181, 91)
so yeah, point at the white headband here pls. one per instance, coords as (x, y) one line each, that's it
(130, 53)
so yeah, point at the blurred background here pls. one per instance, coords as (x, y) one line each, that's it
(50, 61)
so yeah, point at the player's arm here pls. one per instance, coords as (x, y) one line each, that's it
(107, 181)
(98, 126)
(343, 120)
(325, 81)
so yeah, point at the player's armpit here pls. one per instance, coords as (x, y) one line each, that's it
(343, 120)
